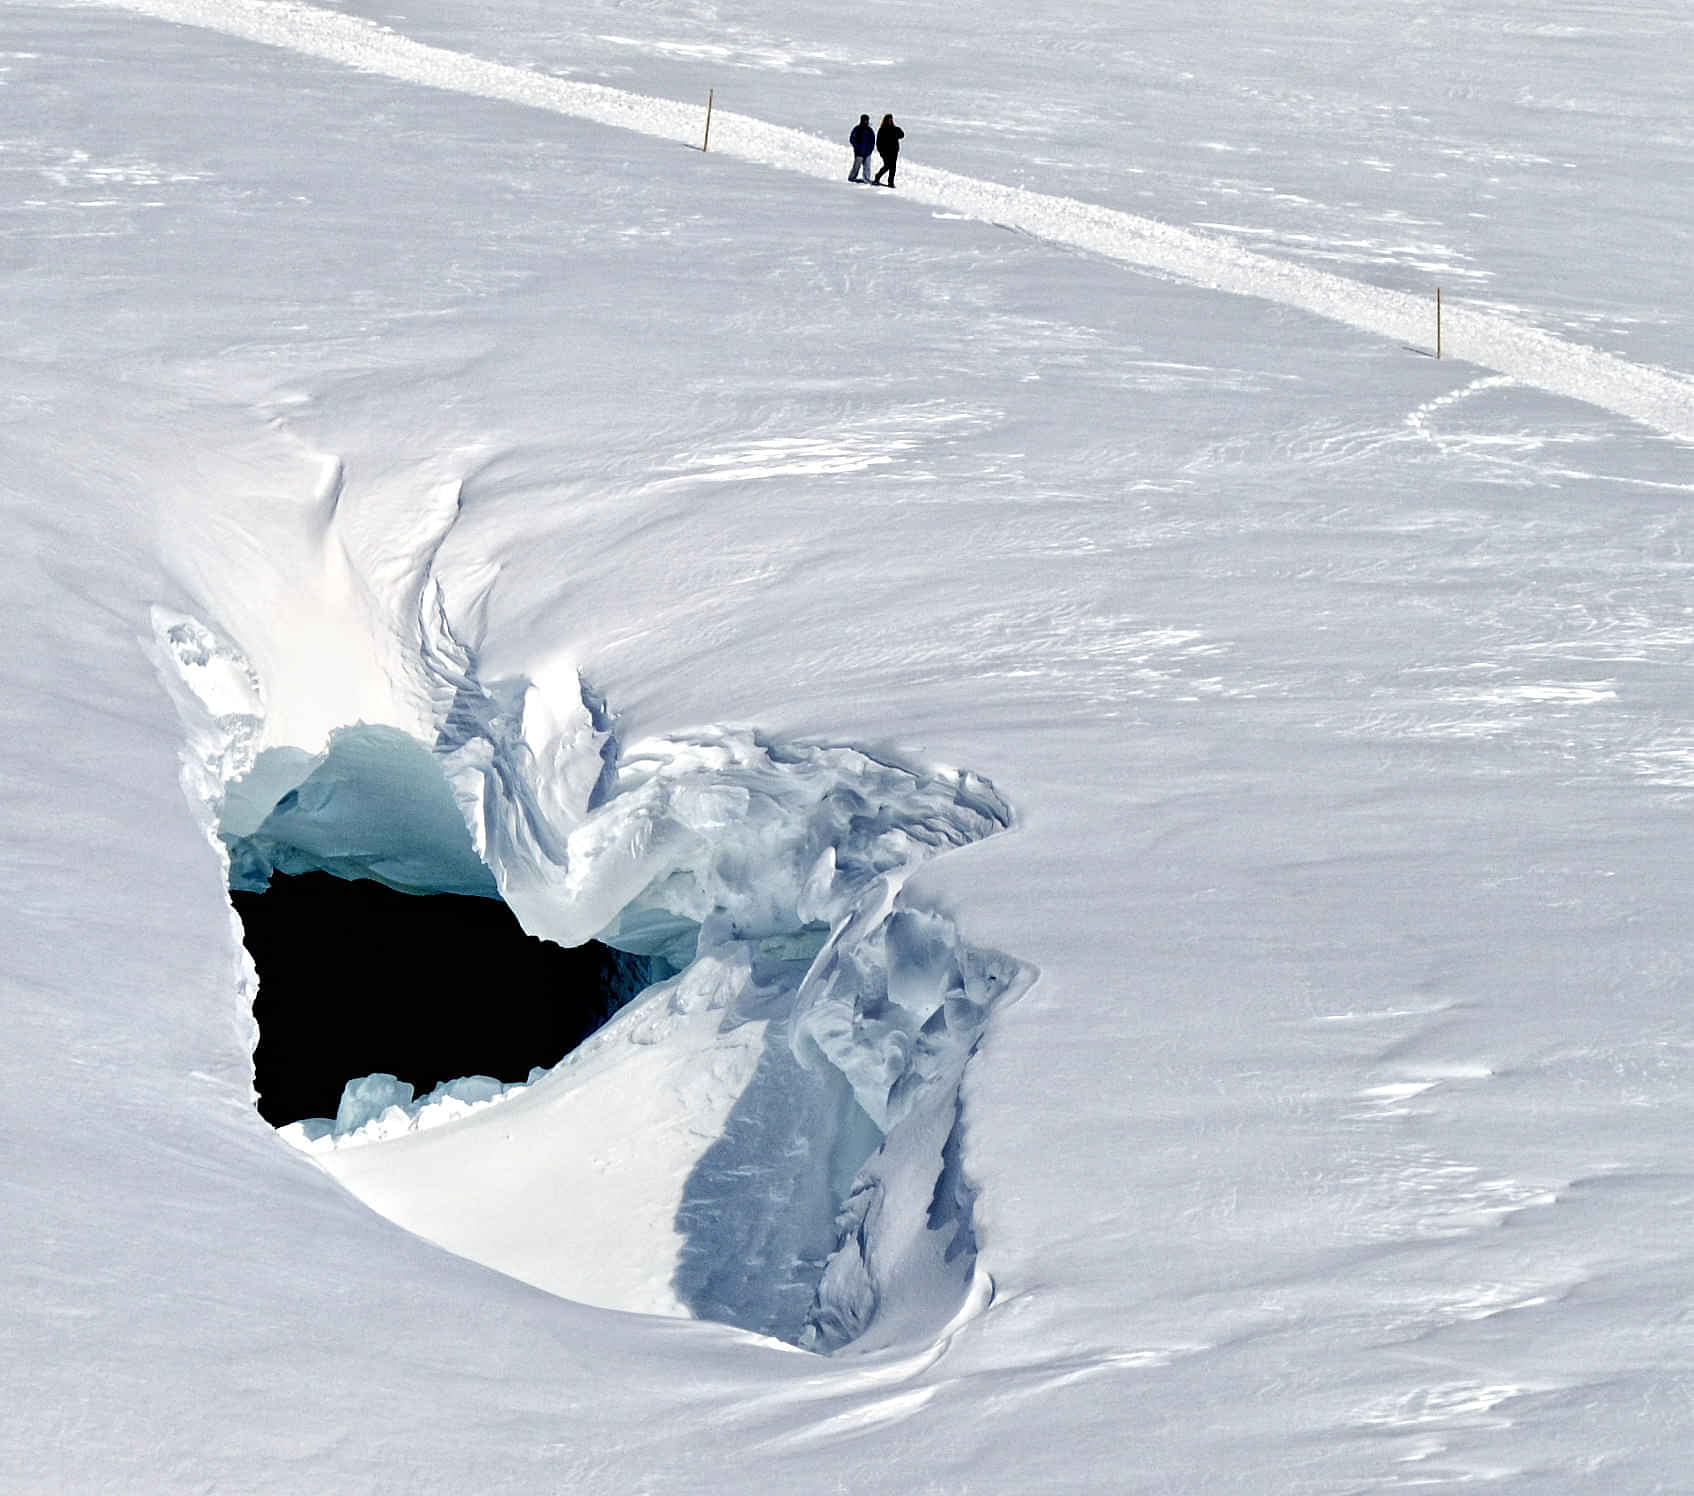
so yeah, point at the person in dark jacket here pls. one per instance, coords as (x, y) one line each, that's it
(888, 138)
(863, 141)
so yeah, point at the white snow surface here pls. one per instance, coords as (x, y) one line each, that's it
(1297, 713)
(1661, 399)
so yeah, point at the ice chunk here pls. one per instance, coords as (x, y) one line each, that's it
(375, 1108)
(369, 1097)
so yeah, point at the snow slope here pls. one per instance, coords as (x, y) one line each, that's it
(1335, 693)
(1661, 399)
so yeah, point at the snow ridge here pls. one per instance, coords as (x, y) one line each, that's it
(1660, 399)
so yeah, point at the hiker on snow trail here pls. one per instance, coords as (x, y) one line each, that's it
(863, 141)
(888, 138)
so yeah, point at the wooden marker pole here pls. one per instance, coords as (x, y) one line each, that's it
(1438, 321)
(708, 140)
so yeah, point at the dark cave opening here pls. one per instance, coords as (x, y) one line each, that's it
(356, 979)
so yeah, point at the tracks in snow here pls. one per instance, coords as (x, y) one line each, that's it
(1660, 399)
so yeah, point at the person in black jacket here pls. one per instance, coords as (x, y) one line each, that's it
(863, 141)
(888, 138)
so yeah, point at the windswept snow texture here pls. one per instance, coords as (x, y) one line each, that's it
(359, 404)
(1661, 399)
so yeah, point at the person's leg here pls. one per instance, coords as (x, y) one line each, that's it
(876, 181)
(853, 171)
(893, 161)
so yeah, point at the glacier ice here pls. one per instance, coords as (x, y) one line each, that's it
(368, 1098)
(375, 1108)
(374, 805)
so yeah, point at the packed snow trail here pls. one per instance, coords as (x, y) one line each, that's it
(1660, 399)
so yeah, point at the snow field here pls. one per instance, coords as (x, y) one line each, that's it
(1660, 399)
(1341, 699)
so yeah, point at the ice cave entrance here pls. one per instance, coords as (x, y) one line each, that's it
(382, 946)
(357, 979)
(772, 1135)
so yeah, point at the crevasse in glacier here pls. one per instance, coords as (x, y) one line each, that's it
(770, 1134)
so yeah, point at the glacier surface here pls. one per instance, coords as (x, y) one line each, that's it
(1340, 692)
